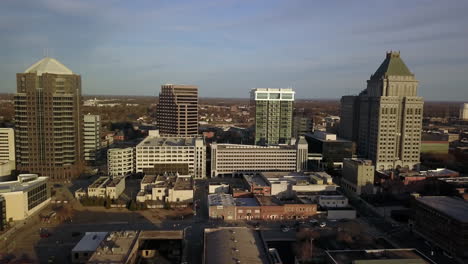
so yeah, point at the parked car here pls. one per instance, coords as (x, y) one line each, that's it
(323, 224)
(284, 228)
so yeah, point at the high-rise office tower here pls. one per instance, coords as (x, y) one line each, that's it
(390, 116)
(464, 111)
(92, 136)
(177, 110)
(48, 120)
(348, 128)
(302, 123)
(273, 111)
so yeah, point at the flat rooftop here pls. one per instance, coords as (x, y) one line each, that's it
(234, 245)
(90, 242)
(24, 182)
(115, 248)
(164, 141)
(147, 179)
(246, 202)
(220, 199)
(268, 201)
(254, 147)
(377, 256)
(455, 208)
(256, 179)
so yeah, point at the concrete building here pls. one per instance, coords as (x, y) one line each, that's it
(48, 121)
(287, 185)
(273, 112)
(302, 123)
(332, 149)
(257, 183)
(443, 221)
(87, 246)
(104, 186)
(177, 110)
(234, 245)
(120, 161)
(119, 247)
(172, 188)
(464, 111)
(349, 114)
(92, 136)
(216, 187)
(7, 144)
(390, 116)
(25, 196)
(236, 158)
(358, 176)
(158, 154)
(373, 256)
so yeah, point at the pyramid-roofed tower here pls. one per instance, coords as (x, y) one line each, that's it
(48, 65)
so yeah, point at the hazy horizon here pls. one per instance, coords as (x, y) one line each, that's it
(321, 50)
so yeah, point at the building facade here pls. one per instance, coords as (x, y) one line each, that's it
(235, 158)
(120, 161)
(25, 196)
(273, 112)
(332, 149)
(92, 136)
(358, 176)
(172, 154)
(7, 153)
(103, 187)
(443, 221)
(389, 116)
(349, 114)
(302, 123)
(48, 121)
(177, 110)
(464, 111)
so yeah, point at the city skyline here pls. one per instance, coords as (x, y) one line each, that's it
(228, 47)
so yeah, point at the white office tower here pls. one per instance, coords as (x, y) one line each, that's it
(92, 136)
(464, 112)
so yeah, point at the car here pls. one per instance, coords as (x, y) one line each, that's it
(256, 226)
(284, 228)
(323, 224)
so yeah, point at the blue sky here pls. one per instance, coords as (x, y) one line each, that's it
(323, 49)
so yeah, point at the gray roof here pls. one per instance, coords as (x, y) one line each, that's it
(220, 199)
(90, 242)
(229, 245)
(151, 141)
(392, 65)
(455, 208)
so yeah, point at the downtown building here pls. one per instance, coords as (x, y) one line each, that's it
(273, 112)
(386, 118)
(7, 153)
(48, 121)
(158, 154)
(239, 159)
(177, 110)
(92, 136)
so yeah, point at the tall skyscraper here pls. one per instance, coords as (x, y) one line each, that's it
(390, 116)
(464, 111)
(92, 136)
(348, 128)
(177, 111)
(273, 111)
(48, 120)
(302, 123)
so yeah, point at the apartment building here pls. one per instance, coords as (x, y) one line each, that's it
(120, 161)
(178, 109)
(158, 154)
(273, 112)
(48, 121)
(92, 136)
(236, 158)
(24, 196)
(103, 187)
